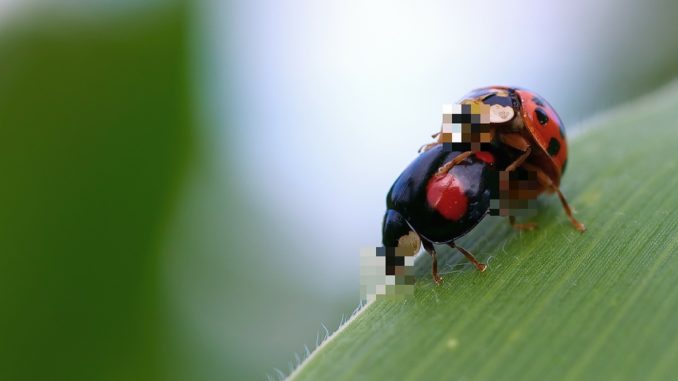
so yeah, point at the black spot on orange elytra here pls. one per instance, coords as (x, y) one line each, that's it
(541, 116)
(554, 147)
(538, 101)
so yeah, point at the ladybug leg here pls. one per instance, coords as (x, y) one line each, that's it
(458, 159)
(520, 143)
(526, 226)
(480, 266)
(428, 246)
(546, 182)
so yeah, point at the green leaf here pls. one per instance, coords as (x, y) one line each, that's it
(95, 142)
(554, 303)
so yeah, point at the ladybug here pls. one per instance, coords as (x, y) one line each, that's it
(426, 206)
(525, 126)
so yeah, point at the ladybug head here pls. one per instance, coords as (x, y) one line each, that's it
(397, 233)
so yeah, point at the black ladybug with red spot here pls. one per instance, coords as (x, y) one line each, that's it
(439, 206)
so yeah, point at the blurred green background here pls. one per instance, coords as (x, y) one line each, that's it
(186, 185)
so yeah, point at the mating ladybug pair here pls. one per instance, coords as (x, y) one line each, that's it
(498, 146)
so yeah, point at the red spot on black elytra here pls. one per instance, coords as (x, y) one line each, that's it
(485, 156)
(541, 116)
(554, 147)
(445, 194)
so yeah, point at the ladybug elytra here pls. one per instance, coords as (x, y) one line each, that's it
(439, 207)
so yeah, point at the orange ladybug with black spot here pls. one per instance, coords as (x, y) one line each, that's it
(528, 128)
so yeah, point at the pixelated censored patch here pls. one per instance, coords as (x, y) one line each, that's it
(468, 123)
(517, 194)
(386, 272)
